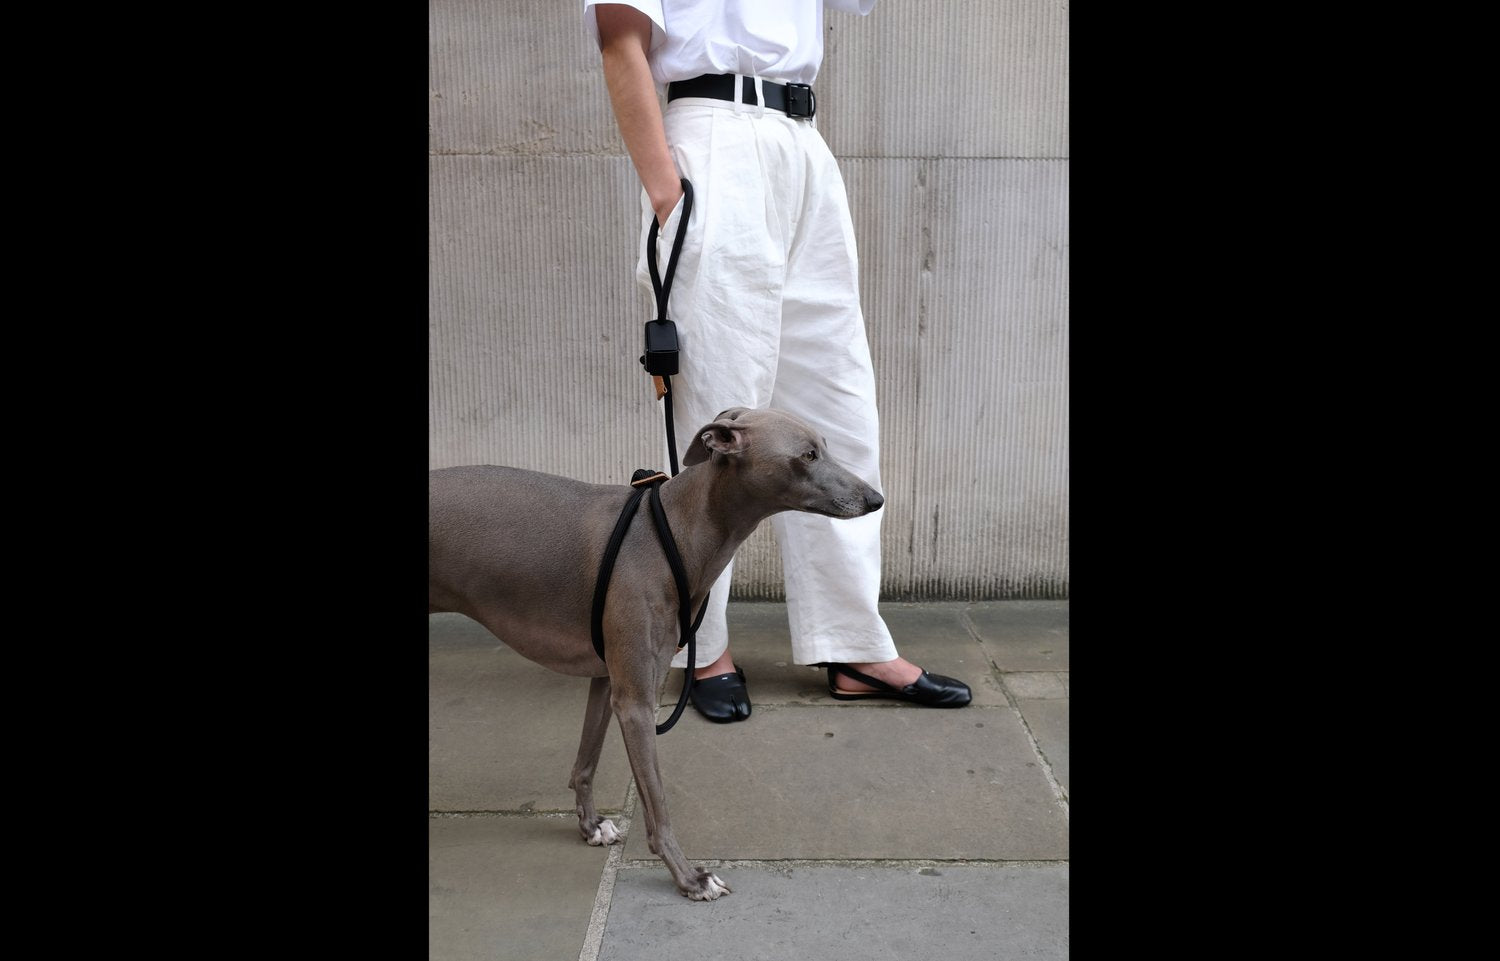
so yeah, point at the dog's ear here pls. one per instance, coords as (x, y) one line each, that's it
(722, 436)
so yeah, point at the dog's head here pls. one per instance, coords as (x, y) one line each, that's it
(782, 459)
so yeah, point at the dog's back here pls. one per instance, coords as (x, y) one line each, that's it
(504, 547)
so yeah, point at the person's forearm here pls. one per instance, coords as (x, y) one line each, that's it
(625, 36)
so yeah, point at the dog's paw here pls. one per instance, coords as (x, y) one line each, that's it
(605, 833)
(711, 889)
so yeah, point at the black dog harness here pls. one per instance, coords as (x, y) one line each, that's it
(643, 481)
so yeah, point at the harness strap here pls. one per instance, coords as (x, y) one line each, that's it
(645, 480)
(684, 606)
(607, 567)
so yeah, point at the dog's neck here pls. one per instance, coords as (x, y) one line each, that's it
(707, 498)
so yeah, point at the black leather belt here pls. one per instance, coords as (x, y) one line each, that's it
(793, 99)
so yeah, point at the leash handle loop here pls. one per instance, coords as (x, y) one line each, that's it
(660, 359)
(662, 287)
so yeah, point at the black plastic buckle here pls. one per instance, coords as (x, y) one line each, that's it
(660, 358)
(800, 100)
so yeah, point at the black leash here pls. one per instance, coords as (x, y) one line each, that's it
(643, 481)
(660, 361)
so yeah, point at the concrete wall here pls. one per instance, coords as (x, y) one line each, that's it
(950, 124)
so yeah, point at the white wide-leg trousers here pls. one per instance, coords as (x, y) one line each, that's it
(766, 303)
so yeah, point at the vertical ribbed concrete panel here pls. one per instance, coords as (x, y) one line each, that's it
(950, 124)
(894, 293)
(964, 78)
(534, 317)
(991, 423)
(515, 76)
(967, 315)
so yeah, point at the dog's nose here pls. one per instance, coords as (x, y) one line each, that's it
(873, 501)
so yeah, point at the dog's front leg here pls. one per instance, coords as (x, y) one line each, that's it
(595, 830)
(635, 706)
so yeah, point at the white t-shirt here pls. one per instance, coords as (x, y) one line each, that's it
(779, 40)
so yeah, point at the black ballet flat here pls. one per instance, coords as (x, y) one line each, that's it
(722, 699)
(929, 690)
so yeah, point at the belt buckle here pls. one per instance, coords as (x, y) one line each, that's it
(800, 100)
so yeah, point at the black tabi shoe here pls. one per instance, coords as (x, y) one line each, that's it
(929, 690)
(722, 699)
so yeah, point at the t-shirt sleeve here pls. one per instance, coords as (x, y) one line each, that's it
(651, 8)
(861, 7)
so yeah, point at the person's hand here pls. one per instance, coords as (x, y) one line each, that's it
(664, 205)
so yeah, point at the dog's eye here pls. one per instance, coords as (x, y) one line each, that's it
(811, 455)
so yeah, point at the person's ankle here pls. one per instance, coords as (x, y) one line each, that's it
(723, 665)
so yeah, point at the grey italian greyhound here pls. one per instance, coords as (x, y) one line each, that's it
(519, 552)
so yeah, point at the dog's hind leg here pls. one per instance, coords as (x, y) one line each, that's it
(595, 830)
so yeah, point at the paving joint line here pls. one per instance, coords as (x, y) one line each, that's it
(593, 938)
(1010, 699)
(732, 863)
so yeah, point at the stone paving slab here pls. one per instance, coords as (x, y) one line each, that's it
(509, 888)
(931, 635)
(1037, 685)
(859, 782)
(1048, 721)
(502, 732)
(971, 912)
(1022, 635)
